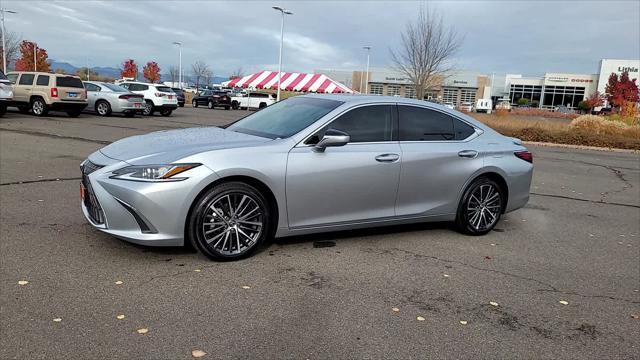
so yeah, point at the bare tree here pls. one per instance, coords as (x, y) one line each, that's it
(199, 70)
(237, 73)
(427, 48)
(12, 41)
(174, 74)
(208, 75)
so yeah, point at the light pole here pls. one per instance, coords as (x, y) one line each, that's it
(366, 83)
(283, 12)
(4, 51)
(180, 63)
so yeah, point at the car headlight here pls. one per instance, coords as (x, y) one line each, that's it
(153, 173)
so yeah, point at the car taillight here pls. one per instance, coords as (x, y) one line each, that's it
(524, 155)
(54, 92)
(160, 94)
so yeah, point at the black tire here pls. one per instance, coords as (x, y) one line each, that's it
(74, 113)
(222, 232)
(23, 109)
(235, 105)
(262, 105)
(181, 104)
(148, 108)
(227, 107)
(194, 104)
(166, 112)
(39, 107)
(210, 104)
(486, 204)
(3, 110)
(103, 108)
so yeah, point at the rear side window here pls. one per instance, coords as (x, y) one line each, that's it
(365, 124)
(164, 89)
(43, 80)
(138, 87)
(420, 124)
(26, 79)
(69, 81)
(462, 130)
(91, 87)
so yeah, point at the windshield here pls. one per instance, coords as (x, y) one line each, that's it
(285, 118)
(114, 87)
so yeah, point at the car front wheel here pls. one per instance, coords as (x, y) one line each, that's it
(39, 107)
(480, 208)
(230, 221)
(148, 108)
(103, 108)
(166, 112)
(194, 104)
(210, 104)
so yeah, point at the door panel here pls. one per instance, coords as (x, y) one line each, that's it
(341, 184)
(432, 176)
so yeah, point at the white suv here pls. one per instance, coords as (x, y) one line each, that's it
(157, 97)
(252, 100)
(6, 93)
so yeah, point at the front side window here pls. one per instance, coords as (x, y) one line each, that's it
(12, 78)
(26, 79)
(420, 124)
(286, 118)
(43, 80)
(372, 123)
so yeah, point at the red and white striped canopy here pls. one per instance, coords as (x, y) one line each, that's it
(318, 83)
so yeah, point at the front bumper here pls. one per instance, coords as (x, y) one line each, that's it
(144, 213)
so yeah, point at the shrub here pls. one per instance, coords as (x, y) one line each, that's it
(629, 120)
(535, 103)
(523, 101)
(584, 106)
(598, 125)
(543, 113)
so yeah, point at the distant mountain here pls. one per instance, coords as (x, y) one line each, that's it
(71, 69)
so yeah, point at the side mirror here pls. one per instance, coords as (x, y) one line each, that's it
(332, 137)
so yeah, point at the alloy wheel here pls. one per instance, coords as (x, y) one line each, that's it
(233, 223)
(484, 207)
(148, 108)
(102, 109)
(37, 107)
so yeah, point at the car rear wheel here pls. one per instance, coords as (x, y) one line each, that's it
(262, 105)
(74, 113)
(480, 208)
(235, 105)
(3, 110)
(194, 103)
(39, 107)
(148, 108)
(103, 108)
(166, 112)
(230, 221)
(210, 104)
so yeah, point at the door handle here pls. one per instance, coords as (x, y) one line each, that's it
(387, 158)
(468, 154)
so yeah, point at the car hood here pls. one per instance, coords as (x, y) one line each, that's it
(171, 145)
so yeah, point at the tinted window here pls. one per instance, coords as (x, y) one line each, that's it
(177, 91)
(125, 85)
(69, 81)
(12, 78)
(138, 87)
(285, 118)
(219, 93)
(43, 80)
(26, 79)
(462, 130)
(364, 124)
(164, 89)
(420, 124)
(205, 93)
(91, 87)
(114, 87)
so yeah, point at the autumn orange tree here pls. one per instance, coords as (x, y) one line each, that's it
(622, 93)
(129, 69)
(26, 60)
(151, 72)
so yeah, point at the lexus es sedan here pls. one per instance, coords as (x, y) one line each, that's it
(307, 164)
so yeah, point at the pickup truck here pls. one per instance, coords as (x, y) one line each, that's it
(252, 100)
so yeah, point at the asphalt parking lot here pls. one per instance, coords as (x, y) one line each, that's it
(576, 242)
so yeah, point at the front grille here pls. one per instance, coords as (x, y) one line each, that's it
(90, 200)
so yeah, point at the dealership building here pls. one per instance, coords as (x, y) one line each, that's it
(547, 91)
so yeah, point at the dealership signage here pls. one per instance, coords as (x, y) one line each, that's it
(630, 69)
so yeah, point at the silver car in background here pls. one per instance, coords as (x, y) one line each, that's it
(106, 98)
(308, 164)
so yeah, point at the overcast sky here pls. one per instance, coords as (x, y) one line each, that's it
(523, 37)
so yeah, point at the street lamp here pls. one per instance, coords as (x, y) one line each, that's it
(4, 52)
(366, 85)
(283, 12)
(180, 64)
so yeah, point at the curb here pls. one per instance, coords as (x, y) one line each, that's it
(581, 147)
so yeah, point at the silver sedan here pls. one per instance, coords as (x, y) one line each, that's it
(308, 164)
(106, 98)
